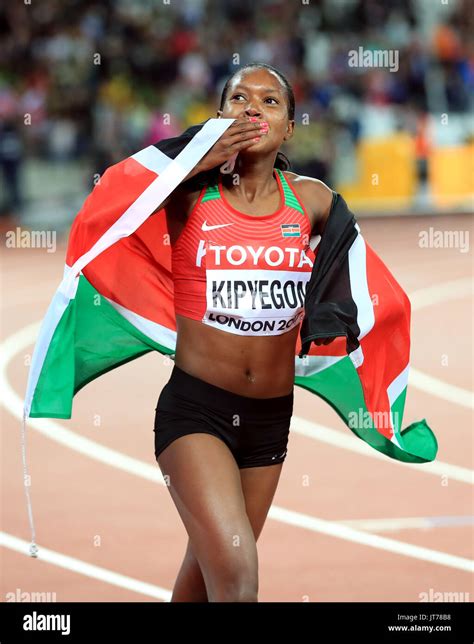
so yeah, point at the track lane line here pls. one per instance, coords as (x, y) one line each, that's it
(336, 438)
(15, 343)
(112, 458)
(300, 520)
(83, 568)
(27, 335)
(395, 524)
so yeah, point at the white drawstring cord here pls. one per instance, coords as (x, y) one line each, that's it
(33, 550)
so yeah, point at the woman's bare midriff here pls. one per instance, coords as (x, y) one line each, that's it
(254, 366)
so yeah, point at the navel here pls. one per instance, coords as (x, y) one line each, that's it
(250, 377)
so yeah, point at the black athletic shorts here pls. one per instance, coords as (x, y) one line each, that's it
(256, 430)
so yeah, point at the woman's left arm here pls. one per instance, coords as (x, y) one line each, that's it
(320, 202)
(319, 199)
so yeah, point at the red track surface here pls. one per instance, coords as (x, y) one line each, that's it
(76, 498)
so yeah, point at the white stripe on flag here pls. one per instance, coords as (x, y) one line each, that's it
(156, 332)
(309, 365)
(55, 311)
(152, 158)
(360, 293)
(393, 392)
(360, 287)
(176, 170)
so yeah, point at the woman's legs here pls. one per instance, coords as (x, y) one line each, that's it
(258, 485)
(208, 491)
(189, 585)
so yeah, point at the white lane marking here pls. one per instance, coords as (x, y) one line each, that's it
(420, 299)
(54, 430)
(83, 568)
(440, 389)
(407, 523)
(381, 543)
(91, 449)
(57, 432)
(337, 438)
(441, 293)
(131, 464)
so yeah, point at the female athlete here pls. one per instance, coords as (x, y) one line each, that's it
(241, 261)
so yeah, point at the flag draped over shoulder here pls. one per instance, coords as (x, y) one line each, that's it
(363, 373)
(115, 303)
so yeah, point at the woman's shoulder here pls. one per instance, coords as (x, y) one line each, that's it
(309, 184)
(187, 193)
(316, 196)
(181, 201)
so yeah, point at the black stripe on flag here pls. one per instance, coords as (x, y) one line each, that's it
(330, 310)
(176, 144)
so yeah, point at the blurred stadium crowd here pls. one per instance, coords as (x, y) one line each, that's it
(91, 81)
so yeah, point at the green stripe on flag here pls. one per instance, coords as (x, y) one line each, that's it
(339, 385)
(90, 339)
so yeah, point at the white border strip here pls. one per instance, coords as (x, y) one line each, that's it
(176, 170)
(42, 339)
(152, 159)
(156, 332)
(359, 286)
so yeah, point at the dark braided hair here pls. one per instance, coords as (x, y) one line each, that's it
(281, 160)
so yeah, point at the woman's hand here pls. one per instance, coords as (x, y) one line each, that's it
(240, 135)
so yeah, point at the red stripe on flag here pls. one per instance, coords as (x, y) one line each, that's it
(143, 283)
(118, 188)
(384, 358)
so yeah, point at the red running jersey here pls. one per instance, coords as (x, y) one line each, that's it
(241, 273)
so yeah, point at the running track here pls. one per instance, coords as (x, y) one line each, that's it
(345, 525)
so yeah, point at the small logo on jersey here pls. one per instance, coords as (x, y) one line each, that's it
(290, 230)
(206, 227)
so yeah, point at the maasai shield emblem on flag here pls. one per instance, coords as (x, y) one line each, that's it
(115, 303)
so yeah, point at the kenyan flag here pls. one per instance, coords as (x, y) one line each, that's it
(115, 303)
(363, 373)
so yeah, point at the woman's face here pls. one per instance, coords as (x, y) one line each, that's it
(259, 93)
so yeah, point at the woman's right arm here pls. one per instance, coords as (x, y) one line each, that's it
(237, 137)
(180, 191)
